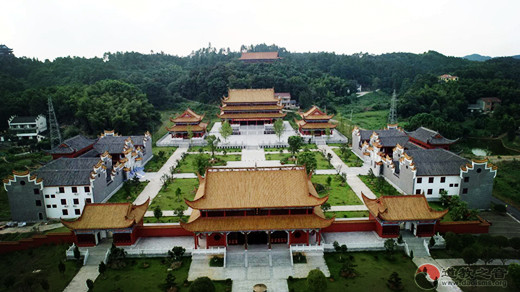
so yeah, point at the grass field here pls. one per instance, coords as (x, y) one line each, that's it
(134, 277)
(158, 160)
(373, 270)
(338, 195)
(21, 267)
(186, 164)
(347, 214)
(122, 196)
(386, 189)
(352, 161)
(322, 163)
(167, 200)
(371, 120)
(506, 182)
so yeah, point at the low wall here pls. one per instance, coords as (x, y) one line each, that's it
(162, 231)
(36, 241)
(477, 226)
(351, 225)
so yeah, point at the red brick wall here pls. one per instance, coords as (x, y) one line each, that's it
(302, 239)
(36, 241)
(212, 241)
(162, 231)
(480, 226)
(351, 225)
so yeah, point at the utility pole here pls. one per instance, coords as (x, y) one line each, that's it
(54, 131)
(392, 115)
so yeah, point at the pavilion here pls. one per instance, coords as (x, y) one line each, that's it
(98, 221)
(185, 122)
(314, 122)
(268, 205)
(251, 106)
(410, 212)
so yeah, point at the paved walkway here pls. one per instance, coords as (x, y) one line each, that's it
(253, 155)
(41, 228)
(90, 270)
(348, 208)
(154, 186)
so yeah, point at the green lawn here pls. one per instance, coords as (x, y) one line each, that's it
(21, 267)
(338, 195)
(373, 270)
(206, 148)
(166, 198)
(134, 277)
(347, 214)
(385, 189)
(160, 156)
(186, 164)
(506, 182)
(322, 162)
(352, 161)
(371, 119)
(124, 195)
(306, 146)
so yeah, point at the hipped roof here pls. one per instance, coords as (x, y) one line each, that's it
(259, 56)
(250, 95)
(251, 115)
(187, 116)
(108, 216)
(402, 208)
(304, 125)
(184, 128)
(197, 223)
(246, 188)
(232, 107)
(315, 114)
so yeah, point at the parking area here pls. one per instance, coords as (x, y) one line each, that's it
(502, 224)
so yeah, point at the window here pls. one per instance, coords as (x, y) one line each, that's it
(36, 191)
(443, 179)
(74, 189)
(76, 201)
(456, 185)
(65, 212)
(46, 196)
(54, 206)
(48, 206)
(451, 185)
(87, 189)
(465, 190)
(61, 189)
(63, 202)
(466, 179)
(430, 191)
(441, 191)
(418, 191)
(430, 180)
(88, 201)
(419, 180)
(53, 196)
(77, 211)
(38, 203)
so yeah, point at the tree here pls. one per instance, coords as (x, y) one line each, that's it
(180, 212)
(90, 284)
(371, 175)
(9, 281)
(102, 268)
(176, 253)
(390, 246)
(329, 180)
(178, 194)
(169, 282)
(278, 128)
(295, 143)
(515, 243)
(77, 254)
(202, 284)
(61, 267)
(395, 282)
(316, 281)
(44, 283)
(201, 163)
(501, 241)
(325, 207)
(308, 159)
(225, 130)
(488, 254)
(445, 199)
(470, 255)
(157, 213)
(212, 144)
(514, 271)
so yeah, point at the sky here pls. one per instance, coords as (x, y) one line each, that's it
(58, 28)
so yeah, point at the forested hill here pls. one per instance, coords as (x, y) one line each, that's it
(118, 90)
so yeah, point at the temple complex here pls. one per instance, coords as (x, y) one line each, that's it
(118, 221)
(185, 122)
(259, 57)
(251, 107)
(314, 122)
(241, 206)
(394, 213)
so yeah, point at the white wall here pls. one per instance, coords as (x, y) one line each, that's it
(437, 185)
(57, 212)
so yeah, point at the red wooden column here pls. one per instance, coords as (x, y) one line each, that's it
(307, 237)
(319, 237)
(195, 239)
(207, 246)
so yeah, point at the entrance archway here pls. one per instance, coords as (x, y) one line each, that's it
(257, 237)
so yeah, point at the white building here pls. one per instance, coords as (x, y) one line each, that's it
(28, 127)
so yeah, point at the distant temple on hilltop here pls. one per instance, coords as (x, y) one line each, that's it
(251, 107)
(5, 51)
(186, 122)
(314, 122)
(242, 206)
(259, 57)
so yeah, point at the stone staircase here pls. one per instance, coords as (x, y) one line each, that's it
(97, 253)
(416, 244)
